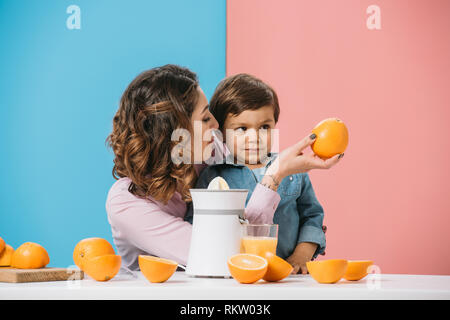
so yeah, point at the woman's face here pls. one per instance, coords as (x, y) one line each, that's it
(203, 122)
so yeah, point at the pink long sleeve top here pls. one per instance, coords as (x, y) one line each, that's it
(146, 226)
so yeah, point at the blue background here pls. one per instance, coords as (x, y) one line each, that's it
(59, 90)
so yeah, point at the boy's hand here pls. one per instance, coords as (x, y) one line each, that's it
(302, 254)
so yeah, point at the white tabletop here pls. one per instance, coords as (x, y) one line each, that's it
(182, 287)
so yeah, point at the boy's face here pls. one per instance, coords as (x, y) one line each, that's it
(248, 135)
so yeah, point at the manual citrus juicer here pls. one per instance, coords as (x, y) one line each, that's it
(216, 228)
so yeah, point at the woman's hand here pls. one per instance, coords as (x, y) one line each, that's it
(292, 160)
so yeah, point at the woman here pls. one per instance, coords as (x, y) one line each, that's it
(147, 204)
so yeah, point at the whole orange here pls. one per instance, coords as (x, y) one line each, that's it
(30, 255)
(332, 138)
(6, 255)
(90, 248)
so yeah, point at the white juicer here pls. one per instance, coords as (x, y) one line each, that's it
(216, 231)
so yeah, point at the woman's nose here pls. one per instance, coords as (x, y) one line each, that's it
(214, 124)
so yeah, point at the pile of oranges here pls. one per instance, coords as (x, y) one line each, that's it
(94, 256)
(97, 258)
(29, 255)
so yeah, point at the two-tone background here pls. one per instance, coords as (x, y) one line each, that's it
(382, 66)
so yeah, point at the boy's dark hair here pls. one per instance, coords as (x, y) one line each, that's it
(241, 92)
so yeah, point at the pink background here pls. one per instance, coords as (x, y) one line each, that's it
(388, 200)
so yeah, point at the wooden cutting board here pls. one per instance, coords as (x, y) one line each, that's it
(8, 274)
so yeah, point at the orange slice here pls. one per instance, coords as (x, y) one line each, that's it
(103, 268)
(357, 269)
(156, 269)
(277, 268)
(327, 271)
(246, 267)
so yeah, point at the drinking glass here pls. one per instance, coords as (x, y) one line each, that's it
(259, 238)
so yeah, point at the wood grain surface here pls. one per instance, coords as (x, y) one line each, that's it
(8, 274)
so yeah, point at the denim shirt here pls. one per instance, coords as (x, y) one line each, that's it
(299, 214)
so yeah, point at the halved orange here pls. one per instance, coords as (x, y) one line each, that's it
(246, 267)
(277, 268)
(357, 269)
(157, 269)
(103, 268)
(327, 271)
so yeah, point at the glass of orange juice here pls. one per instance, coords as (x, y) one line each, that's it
(259, 238)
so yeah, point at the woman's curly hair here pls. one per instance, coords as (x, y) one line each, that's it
(156, 102)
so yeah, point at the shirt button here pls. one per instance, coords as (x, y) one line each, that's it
(290, 178)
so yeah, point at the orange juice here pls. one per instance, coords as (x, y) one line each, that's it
(258, 245)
